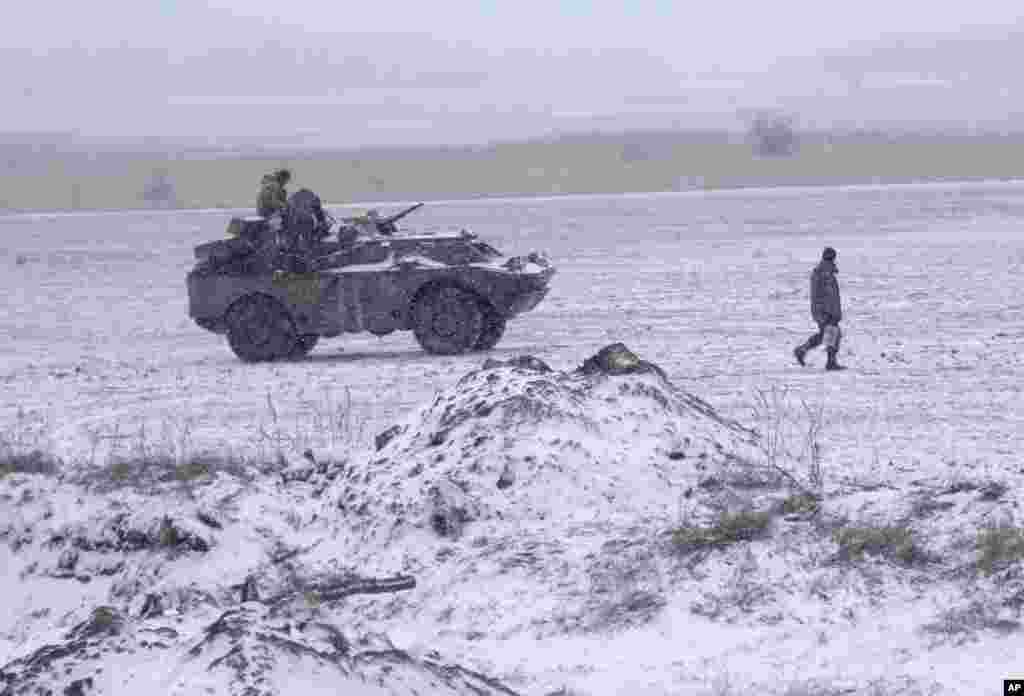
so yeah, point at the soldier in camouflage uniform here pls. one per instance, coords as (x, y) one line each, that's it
(273, 198)
(826, 310)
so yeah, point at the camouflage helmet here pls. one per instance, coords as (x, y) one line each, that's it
(283, 176)
(829, 254)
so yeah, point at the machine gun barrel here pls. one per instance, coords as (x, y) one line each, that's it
(398, 216)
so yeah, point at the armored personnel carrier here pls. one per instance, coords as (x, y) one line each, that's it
(453, 291)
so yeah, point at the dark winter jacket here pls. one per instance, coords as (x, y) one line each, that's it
(304, 205)
(305, 222)
(825, 305)
(273, 198)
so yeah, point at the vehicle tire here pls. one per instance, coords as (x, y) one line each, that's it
(447, 320)
(493, 328)
(260, 329)
(304, 345)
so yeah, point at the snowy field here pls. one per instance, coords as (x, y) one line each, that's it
(713, 287)
(562, 583)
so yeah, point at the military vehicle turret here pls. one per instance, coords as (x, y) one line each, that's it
(455, 292)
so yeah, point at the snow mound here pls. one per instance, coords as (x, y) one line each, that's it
(516, 442)
(532, 502)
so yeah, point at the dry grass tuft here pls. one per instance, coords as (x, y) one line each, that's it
(998, 546)
(193, 470)
(34, 462)
(327, 422)
(893, 542)
(158, 472)
(728, 528)
(24, 446)
(789, 433)
(147, 458)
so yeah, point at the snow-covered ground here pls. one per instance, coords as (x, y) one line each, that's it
(566, 576)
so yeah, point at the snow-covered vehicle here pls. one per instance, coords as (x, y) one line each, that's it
(453, 291)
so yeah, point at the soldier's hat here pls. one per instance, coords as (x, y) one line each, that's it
(829, 254)
(283, 175)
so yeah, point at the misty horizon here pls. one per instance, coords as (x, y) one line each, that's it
(410, 77)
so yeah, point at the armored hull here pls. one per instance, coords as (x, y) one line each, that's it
(455, 292)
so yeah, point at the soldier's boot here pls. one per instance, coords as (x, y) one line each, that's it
(800, 352)
(813, 341)
(831, 364)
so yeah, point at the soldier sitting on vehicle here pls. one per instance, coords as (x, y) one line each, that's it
(273, 197)
(306, 225)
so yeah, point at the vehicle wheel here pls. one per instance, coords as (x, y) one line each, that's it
(260, 329)
(304, 345)
(493, 328)
(447, 320)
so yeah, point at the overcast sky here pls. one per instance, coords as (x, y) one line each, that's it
(384, 72)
